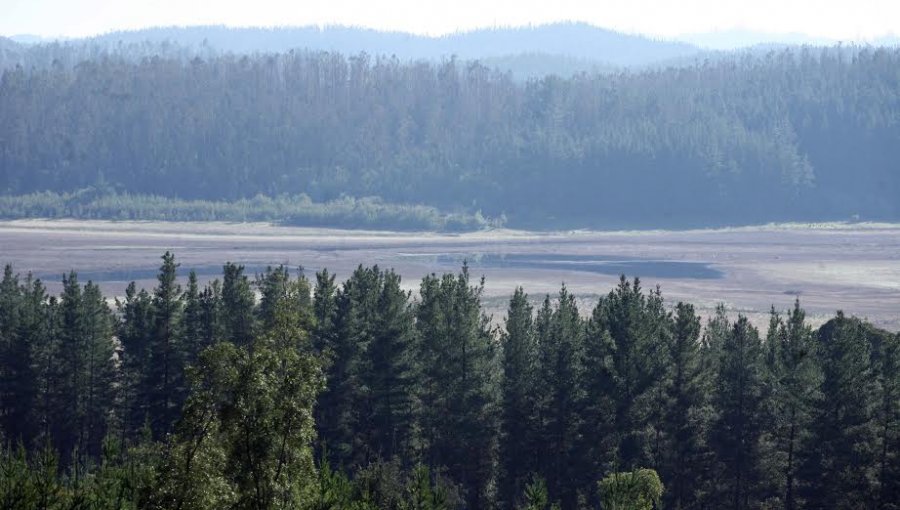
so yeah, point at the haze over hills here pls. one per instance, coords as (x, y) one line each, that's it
(743, 38)
(575, 42)
(727, 40)
(527, 52)
(550, 130)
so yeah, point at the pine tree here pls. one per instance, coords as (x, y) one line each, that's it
(135, 334)
(81, 401)
(99, 368)
(598, 414)
(272, 285)
(238, 304)
(212, 322)
(34, 334)
(842, 463)
(275, 285)
(390, 375)
(796, 393)
(688, 413)
(324, 310)
(717, 330)
(344, 404)
(459, 387)
(737, 430)
(519, 420)
(48, 369)
(12, 349)
(888, 417)
(639, 329)
(165, 377)
(324, 339)
(715, 336)
(561, 344)
(69, 412)
(192, 334)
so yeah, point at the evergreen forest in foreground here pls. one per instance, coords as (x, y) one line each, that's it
(279, 391)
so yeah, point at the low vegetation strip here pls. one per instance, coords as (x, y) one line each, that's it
(295, 210)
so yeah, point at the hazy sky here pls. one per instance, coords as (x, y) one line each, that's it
(834, 19)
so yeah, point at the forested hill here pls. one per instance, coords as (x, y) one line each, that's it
(799, 134)
(569, 40)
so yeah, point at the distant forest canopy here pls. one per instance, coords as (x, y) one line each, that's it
(796, 134)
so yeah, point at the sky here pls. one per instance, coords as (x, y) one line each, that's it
(828, 19)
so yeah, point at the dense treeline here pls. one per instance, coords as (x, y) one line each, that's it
(282, 392)
(797, 134)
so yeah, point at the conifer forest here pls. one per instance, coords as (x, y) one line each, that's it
(374, 218)
(288, 390)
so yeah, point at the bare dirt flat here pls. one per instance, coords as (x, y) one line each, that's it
(853, 267)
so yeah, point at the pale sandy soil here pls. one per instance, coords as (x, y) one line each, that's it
(829, 266)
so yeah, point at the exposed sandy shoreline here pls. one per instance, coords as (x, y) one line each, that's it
(854, 267)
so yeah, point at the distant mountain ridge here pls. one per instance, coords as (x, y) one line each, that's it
(571, 40)
(734, 39)
(577, 40)
(562, 49)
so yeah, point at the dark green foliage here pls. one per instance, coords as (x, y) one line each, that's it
(800, 419)
(324, 310)
(21, 322)
(83, 398)
(887, 353)
(458, 386)
(238, 319)
(192, 328)
(367, 333)
(736, 433)
(535, 496)
(842, 465)
(212, 321)
(164, 377)
(274, 285)
(795, 385)
(640, 489)
(688, 413)
(134, 333)
(384, 486)
(560, 344)
(390, 375)
(99, 370)
(519, 425)
(246, 436)
(630, 334)
(344, 406)
(598, 414)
